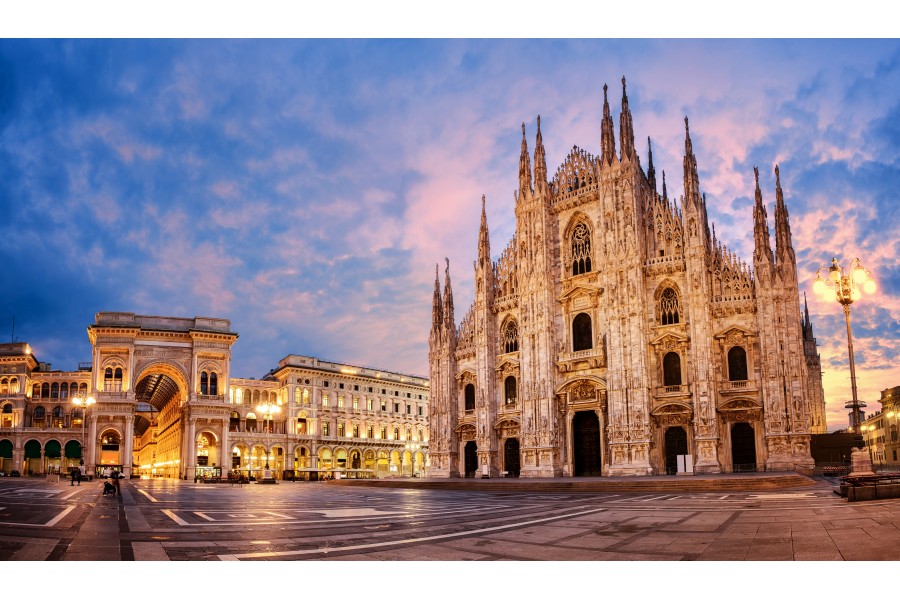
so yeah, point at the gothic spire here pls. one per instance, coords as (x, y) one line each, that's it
(626, 127)
(436, 315)
(784, 250)
(691, 179)
(484, 241)
(665, 195)
(540, 163)
(449, 320)
(805, 309)
(651, 172)
(524, 168)
(762, 247)
(607, 139)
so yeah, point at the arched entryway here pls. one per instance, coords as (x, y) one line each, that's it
(52, 456)
(511, 457)
(743, 448)
(110, 450)
(471, 458)
(586, 444)
(675, 445)
(72, 450)
(32, 457)
(6, 456)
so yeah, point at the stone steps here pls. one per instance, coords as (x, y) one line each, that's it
(670, 484)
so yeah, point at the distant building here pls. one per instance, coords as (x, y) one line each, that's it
(880, 431)
(166, 405)
(616, 332)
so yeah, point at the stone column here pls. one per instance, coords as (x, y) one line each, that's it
(570, 444)
(189, 458)
(128, 460)
(225, 447)
(91, 446)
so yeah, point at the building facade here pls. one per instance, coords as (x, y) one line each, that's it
(881, 432)
(167, 406)
(616, 333)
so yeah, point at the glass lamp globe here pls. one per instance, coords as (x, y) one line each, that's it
(834, 273)
(869, 286)
(855, 294)
(818, 285)
(859, 275)
(830, 294)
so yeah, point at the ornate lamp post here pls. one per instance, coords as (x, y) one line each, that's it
(268, 409)
(846, 288)
(84, 403)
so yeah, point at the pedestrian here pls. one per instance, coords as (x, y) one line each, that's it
(74, 473)
(115, 476)
(81, 471)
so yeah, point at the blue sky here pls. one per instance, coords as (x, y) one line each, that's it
(305, 189)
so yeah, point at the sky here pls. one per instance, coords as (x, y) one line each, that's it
(306, 188)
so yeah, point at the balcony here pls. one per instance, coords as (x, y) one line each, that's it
(671, 391)
(582, 359)
(737, 387)
(509, 407)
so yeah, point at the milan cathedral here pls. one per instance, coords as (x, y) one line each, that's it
(616, 335)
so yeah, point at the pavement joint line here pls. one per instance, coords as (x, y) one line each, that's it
(49, 523)
(232, 557)
(434, 513)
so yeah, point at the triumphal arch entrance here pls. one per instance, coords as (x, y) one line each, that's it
(159, 386)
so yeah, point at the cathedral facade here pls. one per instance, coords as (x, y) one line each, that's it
(616, 335)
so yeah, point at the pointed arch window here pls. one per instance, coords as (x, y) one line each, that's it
(582, 334)
(668, 307)
(470, 396)
(671, 369)
(511, 337)
(737, 364)
(581, 249)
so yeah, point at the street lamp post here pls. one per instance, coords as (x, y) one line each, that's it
(84, 403)
(846, 288)
(268, 409)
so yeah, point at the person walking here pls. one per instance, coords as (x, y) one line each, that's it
(115, 477)
(74, 473)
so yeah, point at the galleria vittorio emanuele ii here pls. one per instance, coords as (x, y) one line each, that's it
(157, 399)
(616, 335)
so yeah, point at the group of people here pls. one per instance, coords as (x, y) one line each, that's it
(111, 482)
(78, 473)
(110, 479)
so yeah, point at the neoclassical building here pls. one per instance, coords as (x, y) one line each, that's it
(166, 405)
(616, 333)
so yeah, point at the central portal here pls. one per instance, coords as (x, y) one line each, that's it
(586, 444)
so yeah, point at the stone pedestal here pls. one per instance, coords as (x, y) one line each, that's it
(860, 463)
